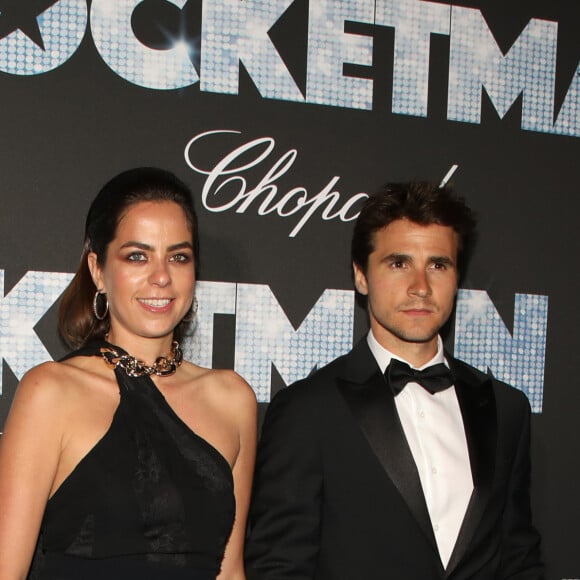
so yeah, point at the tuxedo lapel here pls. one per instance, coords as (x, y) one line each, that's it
(372, 405)
(477, 403)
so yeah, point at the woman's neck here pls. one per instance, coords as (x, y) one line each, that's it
(144, 349)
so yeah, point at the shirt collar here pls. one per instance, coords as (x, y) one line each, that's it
(383, 356)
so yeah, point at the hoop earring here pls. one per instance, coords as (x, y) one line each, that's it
(96, 306)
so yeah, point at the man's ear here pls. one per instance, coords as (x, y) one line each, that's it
(96, 272)
(360, 280)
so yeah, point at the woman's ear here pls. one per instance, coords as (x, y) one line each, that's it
(96, 272)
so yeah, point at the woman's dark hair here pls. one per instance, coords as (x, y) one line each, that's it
(420, 202)
(77, 323)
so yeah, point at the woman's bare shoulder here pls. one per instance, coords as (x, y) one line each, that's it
(42, 398)
(45, 380)
(53, 382)
(222, 383)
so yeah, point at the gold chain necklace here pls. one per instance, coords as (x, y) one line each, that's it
(162, 367)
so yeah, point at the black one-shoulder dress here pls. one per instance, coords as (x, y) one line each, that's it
(151, 500)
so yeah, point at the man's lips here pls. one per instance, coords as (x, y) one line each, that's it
(417, 311)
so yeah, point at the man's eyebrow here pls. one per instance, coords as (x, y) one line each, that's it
(442, 260)
(400, 257)
(397, 257)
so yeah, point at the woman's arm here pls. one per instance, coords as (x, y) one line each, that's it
(242, 407)
(29, 456)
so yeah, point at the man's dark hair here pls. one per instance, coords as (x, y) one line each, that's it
(420, 202)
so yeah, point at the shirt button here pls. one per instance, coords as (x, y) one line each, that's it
(436, 527)
(434, 470)
(422, 414)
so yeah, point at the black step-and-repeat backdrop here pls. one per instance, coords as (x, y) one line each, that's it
(281, 114)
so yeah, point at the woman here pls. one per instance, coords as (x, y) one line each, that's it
(130, 462)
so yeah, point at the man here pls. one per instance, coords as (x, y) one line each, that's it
(369, 469)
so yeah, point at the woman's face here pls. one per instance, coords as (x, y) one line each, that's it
(149, 271)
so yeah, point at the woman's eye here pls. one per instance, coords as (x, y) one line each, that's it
(136, 257)
(180, 258)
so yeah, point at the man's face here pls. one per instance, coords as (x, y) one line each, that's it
(411, 281)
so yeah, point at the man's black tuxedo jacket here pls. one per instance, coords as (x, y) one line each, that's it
(337, 495)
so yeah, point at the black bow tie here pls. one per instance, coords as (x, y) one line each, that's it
(434, 379)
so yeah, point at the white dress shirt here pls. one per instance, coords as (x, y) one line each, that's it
(434, 430)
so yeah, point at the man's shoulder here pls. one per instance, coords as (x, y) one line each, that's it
(318, 385)
(321, 378)
(326, 373)
(502, 390)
